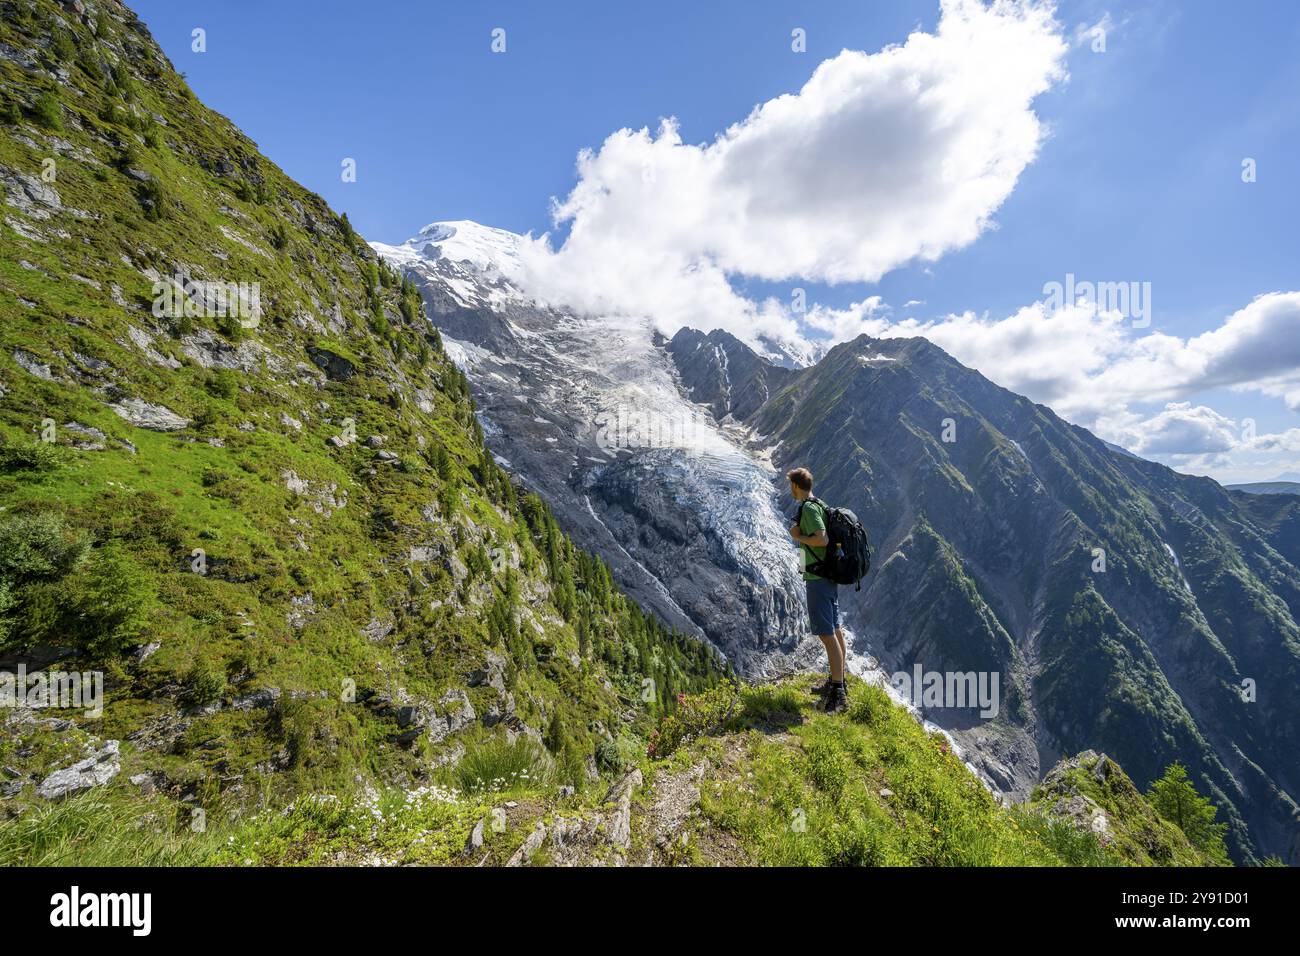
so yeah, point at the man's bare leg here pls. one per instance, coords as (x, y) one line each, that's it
(834, 656)
(844, 654)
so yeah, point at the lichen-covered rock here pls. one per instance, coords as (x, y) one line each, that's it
(142, 414)
(95, 771)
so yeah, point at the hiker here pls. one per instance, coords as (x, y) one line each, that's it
(809, 530)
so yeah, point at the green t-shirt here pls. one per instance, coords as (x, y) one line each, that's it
(812, 518)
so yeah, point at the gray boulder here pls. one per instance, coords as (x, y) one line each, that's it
(95, 771)
(452, 713)
(142, 414)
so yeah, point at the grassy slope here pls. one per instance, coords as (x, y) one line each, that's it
(149, 182)
(758, 777)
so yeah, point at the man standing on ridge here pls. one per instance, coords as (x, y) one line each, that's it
(809, 530)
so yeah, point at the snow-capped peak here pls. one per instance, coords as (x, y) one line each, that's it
(465, 241)
(437, 231)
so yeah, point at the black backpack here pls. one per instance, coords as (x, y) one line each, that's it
(848, 558)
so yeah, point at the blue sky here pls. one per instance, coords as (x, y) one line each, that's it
(1139, 177)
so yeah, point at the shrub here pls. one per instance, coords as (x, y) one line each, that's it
(573, 765)
(62, 46)
(222, 384)
(100, 609)
(128, 157)
(106, 606)
(203, 683)
(322, 738)
(231, 327)
(695, 716)
(608, 758)
(124, 83)
(36, 456)
(497, 765)
(153, 200)
(47, 112)
(42, 545)
(7, 603)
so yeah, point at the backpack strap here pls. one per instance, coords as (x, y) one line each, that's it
(809, 568)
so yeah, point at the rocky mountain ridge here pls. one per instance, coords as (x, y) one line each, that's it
(988, 514)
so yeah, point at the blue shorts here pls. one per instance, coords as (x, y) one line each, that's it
(823, 606)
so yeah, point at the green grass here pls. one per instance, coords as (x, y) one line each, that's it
(783, 785)
(875, 789)
(496, 765)
(114, 827)
(421, 827)
(107, 828)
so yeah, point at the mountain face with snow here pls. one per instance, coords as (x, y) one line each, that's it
(736, 391)
(1122, 606)
(588, 412)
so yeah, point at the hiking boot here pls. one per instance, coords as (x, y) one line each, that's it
(822, 689)
(837, 699)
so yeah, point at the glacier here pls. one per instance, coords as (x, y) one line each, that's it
(591, 414)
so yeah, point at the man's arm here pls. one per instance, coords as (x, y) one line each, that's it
(818, 539)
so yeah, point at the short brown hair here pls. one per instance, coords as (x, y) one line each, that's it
(801, 478)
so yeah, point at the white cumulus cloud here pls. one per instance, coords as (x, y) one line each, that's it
(880, 159)
(1184, 429)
